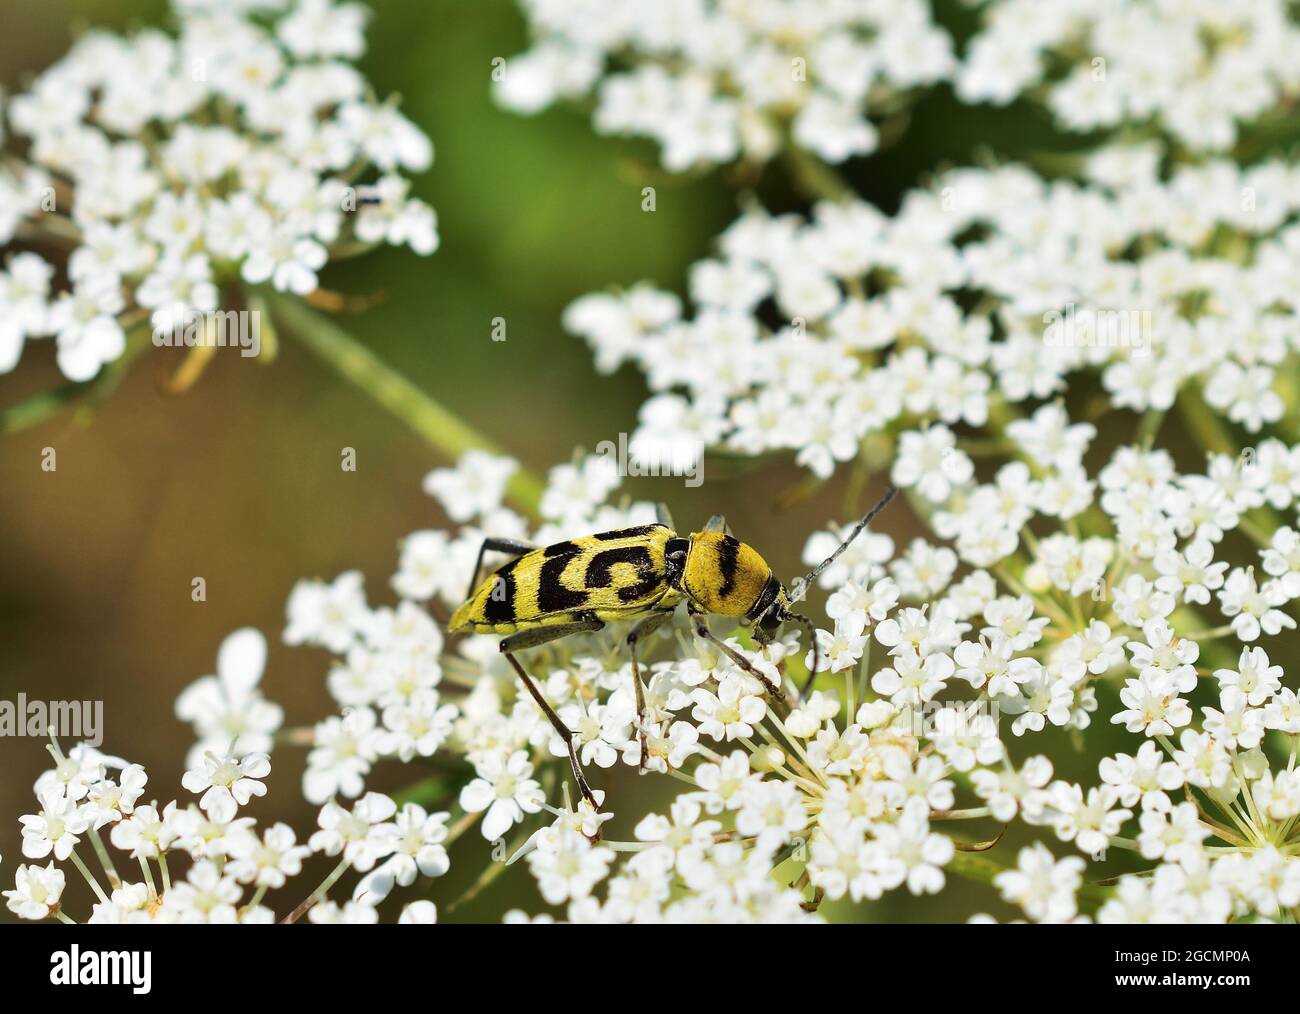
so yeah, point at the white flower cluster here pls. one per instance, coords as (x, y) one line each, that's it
(844, 792)
(165, 167)
(1195, 69)
(781, 793)
(713, 81)
(89, 796)
(853, 784)
(898, 339)
(988, 291)
(386, 685)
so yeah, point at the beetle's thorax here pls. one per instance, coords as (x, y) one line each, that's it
(723, 575)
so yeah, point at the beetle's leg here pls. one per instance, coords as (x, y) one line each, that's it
(495, 545)
(530, 639)
(646, 627)
(702, 630)
(534, 636)
(564, 732)
(717, 523)
(664, 516)
(811, 631)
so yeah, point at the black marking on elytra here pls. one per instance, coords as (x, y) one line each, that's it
(728, 561)
(552, 595)
(627, 533)
(565, 548)
(599, 573)
(765, 598)
(500, 604)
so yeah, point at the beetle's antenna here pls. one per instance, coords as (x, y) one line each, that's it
(799, 588)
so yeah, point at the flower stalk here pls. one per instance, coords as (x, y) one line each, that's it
(438, 426)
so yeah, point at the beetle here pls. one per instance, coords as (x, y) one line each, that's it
(642, 573)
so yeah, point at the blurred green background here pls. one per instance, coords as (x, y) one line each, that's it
(238, 481)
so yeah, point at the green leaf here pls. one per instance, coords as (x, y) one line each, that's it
(426, 793)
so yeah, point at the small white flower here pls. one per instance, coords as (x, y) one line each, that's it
(36, 891)
(56, 830)
(931, 462)
(567, 866)
(363, 835)
(227, 709)
(227, 783)
(1042, 885)
(732, 711)
(350, 913)
(419, 913)
(474, 487)
(505, 789)
(269, 860)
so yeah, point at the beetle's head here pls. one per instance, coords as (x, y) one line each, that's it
(768, 622)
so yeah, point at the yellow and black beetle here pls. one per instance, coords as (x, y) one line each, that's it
(641, 573)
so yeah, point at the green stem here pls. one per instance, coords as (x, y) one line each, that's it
(1213, 436)
(490, 874)
(105, 860)
(37, 409)
(440, 428)
(40, 407)
(1205, 425)
(461, 825)
(1150, 426)
(148, 877)
(1208, 635)
(814, 178)
(974, 813)
(90, 877)
(254, 901)
(317, 895)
